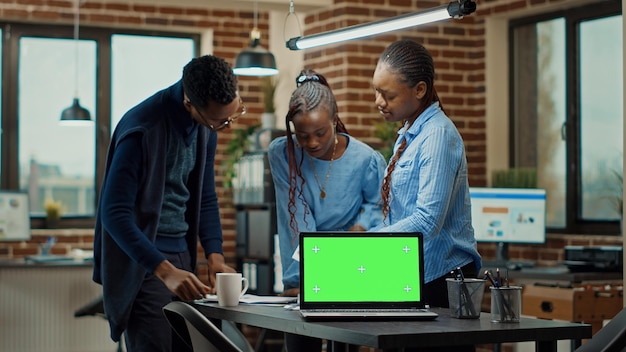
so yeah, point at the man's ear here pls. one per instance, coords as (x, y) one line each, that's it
(187, 102)
(420, 90)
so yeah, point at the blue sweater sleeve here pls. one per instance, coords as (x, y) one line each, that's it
(210, 224)
(122, 184)
(287, 240)
(371, 214)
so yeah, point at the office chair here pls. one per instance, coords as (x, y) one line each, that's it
(96, 308)
(200, 333)
(611, 338)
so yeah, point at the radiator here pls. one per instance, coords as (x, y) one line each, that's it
(37, 305)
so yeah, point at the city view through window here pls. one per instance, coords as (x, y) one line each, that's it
(57, 161)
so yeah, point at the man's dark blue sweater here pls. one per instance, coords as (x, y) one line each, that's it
(132, 198)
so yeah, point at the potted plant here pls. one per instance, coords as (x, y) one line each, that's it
(387, 132)
(268, 88)
(54, 210)
(235, 149)
(514, 178)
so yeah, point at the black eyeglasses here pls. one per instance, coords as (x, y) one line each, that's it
(230, 119)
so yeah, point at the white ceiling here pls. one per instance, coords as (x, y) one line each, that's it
(280, 5)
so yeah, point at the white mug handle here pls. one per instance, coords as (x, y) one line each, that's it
(245, 286)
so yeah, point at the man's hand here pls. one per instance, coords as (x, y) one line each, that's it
(217, 265)
(184, 284)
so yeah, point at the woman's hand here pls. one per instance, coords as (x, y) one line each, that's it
(291, 292)
(357, 227)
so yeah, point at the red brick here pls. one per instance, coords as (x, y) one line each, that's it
(117, 6)
(144, 8)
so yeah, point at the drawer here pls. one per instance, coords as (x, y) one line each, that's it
(576, 304)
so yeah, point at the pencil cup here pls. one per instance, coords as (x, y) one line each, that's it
(465, 297)
(506, 304)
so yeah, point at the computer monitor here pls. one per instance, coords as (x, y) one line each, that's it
(508, 215)
(14, 216)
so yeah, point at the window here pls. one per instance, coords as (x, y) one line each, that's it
(56, 161)
(134, 67)
(567, 114)
(116, 70)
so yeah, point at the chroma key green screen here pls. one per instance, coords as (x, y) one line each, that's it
(361, 269)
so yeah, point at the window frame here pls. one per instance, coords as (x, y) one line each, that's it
(574, 224)
(12, 32)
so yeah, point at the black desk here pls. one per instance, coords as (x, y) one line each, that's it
(395, 335)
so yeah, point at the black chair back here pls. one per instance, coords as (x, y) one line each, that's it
(611, 338)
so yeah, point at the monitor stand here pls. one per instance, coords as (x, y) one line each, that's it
(503, 261)
(502, 254)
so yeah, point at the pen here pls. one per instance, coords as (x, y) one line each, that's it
(498, 275)
(465, 298)
(490, 277)
(506, 277)
(458, 274)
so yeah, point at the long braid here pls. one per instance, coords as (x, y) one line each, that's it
(387, 180)
(414, 64)
(313, 93)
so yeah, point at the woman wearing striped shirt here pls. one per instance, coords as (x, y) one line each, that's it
(425, 188)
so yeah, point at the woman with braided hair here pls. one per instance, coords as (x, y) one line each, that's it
(425, 188)
(325, 180)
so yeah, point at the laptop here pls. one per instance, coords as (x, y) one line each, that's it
(362, 275)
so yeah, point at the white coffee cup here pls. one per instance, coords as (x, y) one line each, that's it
(230, 288)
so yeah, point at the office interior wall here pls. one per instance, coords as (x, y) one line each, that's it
(461, 49)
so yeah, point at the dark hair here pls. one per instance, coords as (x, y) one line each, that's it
(312, 93)
(414, 64)
(207, 78)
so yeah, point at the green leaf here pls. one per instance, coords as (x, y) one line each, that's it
(235, 148)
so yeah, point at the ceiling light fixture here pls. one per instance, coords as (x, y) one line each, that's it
(455, 9)
(76, 113)
(255, 60)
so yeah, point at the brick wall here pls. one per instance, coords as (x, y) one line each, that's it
(231, 29)
(457, 47)
(458, 52)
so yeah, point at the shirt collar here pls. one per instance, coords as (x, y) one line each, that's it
(416, 127)
(182, 121)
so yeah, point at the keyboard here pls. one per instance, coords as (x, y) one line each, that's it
(386, 313)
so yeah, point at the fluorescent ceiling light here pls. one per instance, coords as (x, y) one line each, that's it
(455, 9)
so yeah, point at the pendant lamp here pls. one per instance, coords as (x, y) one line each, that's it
(255, 60)
(76, 113)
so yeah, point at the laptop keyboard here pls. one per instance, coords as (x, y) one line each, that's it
(382, 310)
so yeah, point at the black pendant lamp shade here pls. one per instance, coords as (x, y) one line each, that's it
(255, 61)
(75, 113)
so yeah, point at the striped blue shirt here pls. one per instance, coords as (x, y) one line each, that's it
(430, 193)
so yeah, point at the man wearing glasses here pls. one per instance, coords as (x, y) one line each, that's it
(158, 199)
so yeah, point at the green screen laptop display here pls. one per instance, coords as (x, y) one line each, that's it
(353, 268)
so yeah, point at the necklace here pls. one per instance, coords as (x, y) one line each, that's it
(330, 166)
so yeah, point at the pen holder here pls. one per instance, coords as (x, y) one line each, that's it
(506, 304)
(465, 297)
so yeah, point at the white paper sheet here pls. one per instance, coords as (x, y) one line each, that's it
(253, 299)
